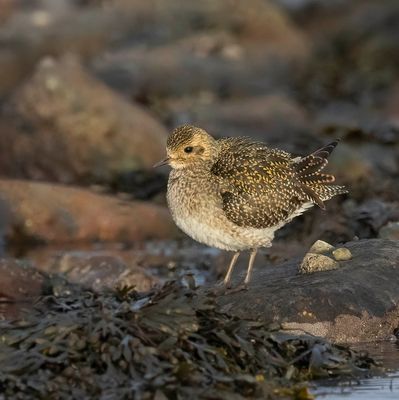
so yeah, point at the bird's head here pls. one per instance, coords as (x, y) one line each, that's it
(188, 146)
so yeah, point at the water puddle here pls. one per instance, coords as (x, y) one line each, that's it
(384, 387)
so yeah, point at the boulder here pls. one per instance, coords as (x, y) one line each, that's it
(359, 301)
(6, 10)
(22, 282)
(276, 119)
(31, 30)
(58, 214)
(249, 51)
(65, 125)
(100, 270)
(155, 21)
(19, 281)
(220, 65)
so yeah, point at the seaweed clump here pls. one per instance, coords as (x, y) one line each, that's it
(171, 343)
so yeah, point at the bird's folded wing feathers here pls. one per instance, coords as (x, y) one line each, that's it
(258, 186)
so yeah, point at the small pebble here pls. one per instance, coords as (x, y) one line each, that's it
(321, 247)
(316, 263)
(342, 254)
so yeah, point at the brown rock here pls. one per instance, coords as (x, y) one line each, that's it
(255, 20)
(247, 52)
(19, 281)
(71, 127)
(101, 270)
(274, 118)
(6, 9)
(37, 29)
(58, 214)
(357, 302)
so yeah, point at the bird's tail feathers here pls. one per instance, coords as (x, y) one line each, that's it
(316, 185)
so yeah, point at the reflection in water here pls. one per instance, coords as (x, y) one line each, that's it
(376, 388)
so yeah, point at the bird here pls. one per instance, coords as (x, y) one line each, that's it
(234, 193)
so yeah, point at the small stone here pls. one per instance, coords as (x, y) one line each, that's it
(321, 247)
(316, 263)
(342, 254)
(390, 231)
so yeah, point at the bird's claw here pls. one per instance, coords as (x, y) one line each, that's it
(219, 289)
(239, 288)
(227, 288)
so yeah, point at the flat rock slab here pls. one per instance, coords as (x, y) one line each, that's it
(359, 301)
(53, 213)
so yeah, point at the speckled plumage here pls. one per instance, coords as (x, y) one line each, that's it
(234, 193)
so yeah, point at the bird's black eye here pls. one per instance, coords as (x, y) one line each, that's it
(188, 149)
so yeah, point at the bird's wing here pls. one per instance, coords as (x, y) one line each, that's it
(259, 186)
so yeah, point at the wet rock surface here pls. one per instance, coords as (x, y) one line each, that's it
(46, 213)
(356, 302)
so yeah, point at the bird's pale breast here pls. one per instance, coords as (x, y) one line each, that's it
(196, 206)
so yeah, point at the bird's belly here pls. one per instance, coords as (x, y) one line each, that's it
(214, 229)
(197, 211)
(211, 234)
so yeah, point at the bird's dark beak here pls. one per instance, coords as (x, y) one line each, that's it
(162, 162)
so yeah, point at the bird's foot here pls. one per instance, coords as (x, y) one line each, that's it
(223, 287)
(220, 288)
(239, 288)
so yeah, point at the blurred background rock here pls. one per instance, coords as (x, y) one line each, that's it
(90, 88)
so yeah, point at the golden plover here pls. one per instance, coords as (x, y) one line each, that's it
(234, 193)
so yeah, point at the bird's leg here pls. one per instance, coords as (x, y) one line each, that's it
(244, 285)
(233, 261)
(250, 266)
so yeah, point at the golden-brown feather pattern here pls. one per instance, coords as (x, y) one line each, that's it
(261, 187)
(234, 193)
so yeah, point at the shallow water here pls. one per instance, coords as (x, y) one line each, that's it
(383, 387)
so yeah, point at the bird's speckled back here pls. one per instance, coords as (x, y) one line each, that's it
(237, 197)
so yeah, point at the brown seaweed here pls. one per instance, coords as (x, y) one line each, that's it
(172, 343)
